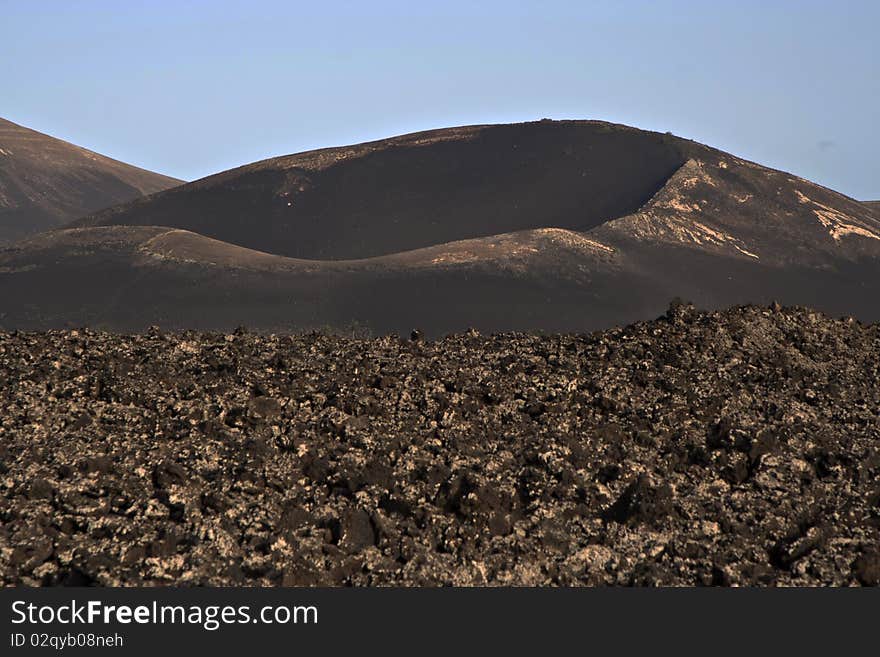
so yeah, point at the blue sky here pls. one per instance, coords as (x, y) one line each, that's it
(191, 88)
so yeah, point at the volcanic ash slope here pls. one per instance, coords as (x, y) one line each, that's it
(556, 226)
(46, 182)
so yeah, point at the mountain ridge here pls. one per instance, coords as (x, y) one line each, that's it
(46, 182)
(556, 226)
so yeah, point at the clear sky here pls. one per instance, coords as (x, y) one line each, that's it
(189, 88)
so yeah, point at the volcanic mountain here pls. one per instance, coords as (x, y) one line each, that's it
(549, 225)
(46, 182)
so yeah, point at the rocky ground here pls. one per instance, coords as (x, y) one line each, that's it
(731, 448)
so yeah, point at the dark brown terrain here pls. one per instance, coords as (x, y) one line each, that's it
(46, 182)
(418, 190)
(718, 447)
(731, 448)
(550, 225)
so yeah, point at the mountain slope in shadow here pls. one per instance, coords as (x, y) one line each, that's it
(419, 190)
(556, 226)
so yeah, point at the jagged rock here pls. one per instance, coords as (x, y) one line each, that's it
(725, 448)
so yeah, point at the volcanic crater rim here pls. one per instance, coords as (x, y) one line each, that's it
(421, 190)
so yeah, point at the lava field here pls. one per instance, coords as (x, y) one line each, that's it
(739, 447)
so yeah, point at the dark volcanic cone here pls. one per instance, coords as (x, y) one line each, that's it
(569, 225)
(46, 182)
(419, 190)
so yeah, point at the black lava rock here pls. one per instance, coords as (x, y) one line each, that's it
(726, 448)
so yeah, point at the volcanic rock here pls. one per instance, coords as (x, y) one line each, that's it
(723, 448)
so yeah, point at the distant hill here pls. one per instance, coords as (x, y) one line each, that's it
(418, 190)
(46, 182)
(549, 225)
